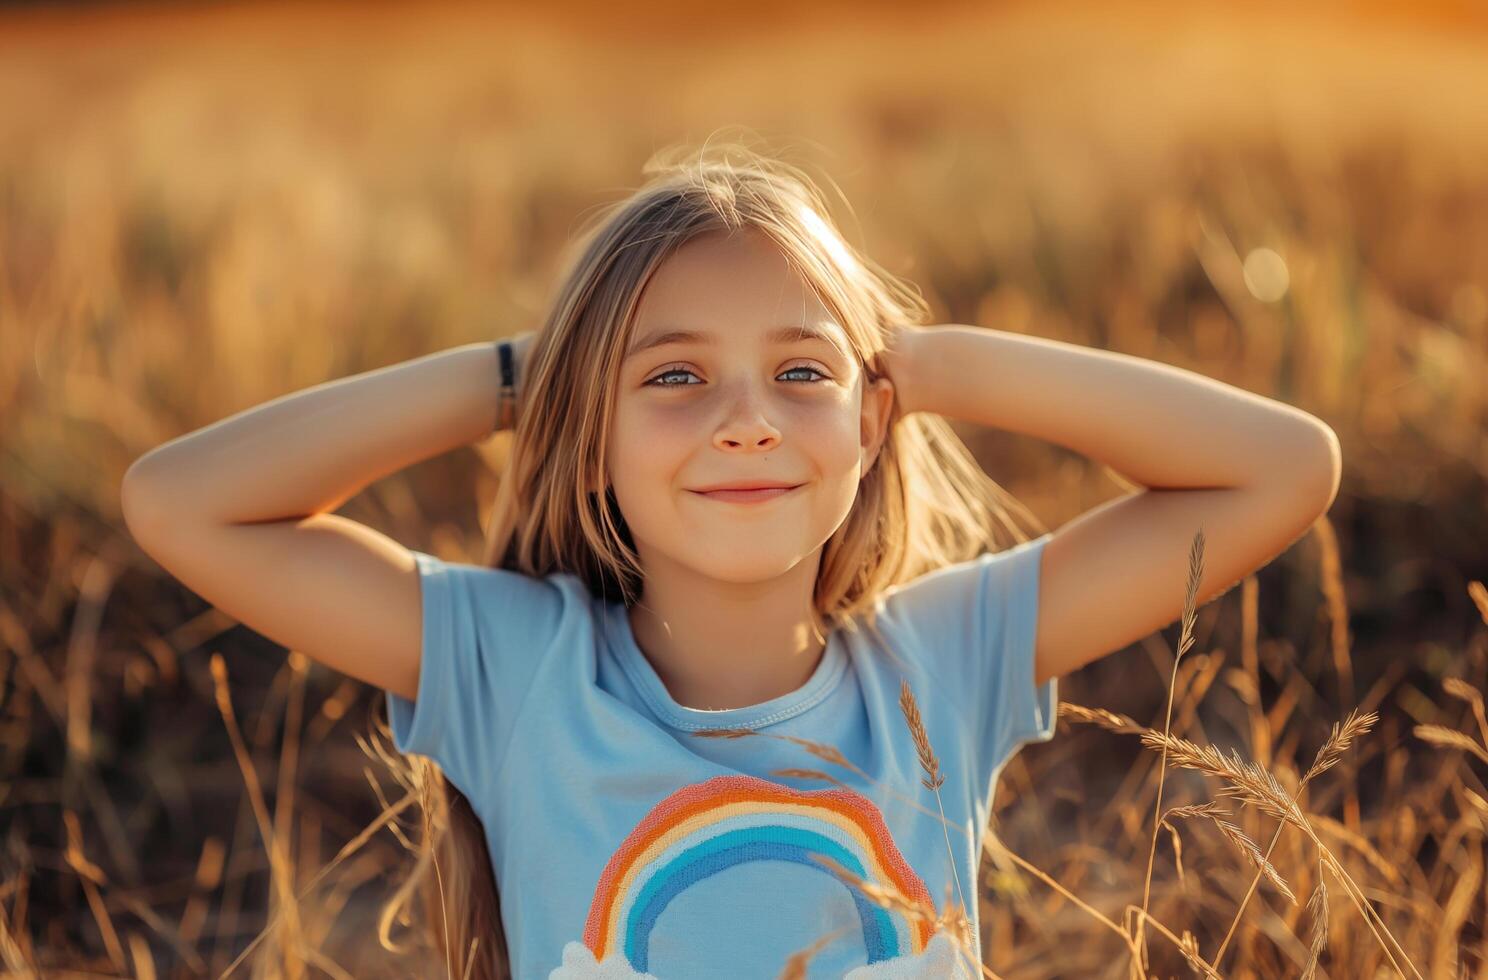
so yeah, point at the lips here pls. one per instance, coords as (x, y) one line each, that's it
(747, 485)
(736, 496)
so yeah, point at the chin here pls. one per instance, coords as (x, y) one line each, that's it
(740, 567)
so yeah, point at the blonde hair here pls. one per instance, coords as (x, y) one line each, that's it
(923, 504)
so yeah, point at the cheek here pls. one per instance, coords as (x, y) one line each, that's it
(832, 435)
(647, 444)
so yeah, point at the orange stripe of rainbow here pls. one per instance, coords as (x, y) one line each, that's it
(693, 809)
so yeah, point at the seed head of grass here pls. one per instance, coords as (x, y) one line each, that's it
(796, 963)
(1480, 597)
(823, 751)
(1354, 726)
(1450, 738)
(1109, 720)
(884, 896)
(1253, 854)
(809, 774)
(1189, 946)
(933, 779)
(725, 733)
(1317, 907)
(1459, 688)
(1215, 812)
(1245, 780)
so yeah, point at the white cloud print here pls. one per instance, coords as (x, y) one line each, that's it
(579, 964)
(939, 961)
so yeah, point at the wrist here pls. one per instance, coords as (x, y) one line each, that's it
(511, 374)
(900, 364)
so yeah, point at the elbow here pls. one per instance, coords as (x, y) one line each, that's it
(141, 499)
(1320, 464)
(132, 499)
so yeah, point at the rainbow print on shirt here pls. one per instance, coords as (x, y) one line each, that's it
(712, 826)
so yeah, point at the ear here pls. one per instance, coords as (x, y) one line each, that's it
(878, 404)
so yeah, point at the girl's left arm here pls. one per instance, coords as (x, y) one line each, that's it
(1253, 472)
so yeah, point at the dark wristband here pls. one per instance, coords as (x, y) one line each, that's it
(508, 377)
(506, 400)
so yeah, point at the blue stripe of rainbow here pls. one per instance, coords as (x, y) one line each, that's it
(709, 827)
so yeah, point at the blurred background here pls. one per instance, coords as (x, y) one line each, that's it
(205, 206)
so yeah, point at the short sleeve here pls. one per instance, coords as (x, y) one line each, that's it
(975, 623)
(485, 631)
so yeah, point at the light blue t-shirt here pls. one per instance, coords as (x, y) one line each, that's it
(626, 846)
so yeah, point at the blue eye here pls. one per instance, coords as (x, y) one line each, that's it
(657, 382)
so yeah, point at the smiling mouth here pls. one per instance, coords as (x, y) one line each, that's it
(747, 496)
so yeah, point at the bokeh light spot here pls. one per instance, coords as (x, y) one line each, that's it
(1266, 275)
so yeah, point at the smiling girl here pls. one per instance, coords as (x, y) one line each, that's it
(734, 507)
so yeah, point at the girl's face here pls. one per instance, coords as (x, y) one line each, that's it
(745, 399)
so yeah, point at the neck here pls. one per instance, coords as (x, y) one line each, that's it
(719, 645)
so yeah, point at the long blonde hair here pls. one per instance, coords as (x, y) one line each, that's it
(925, 502)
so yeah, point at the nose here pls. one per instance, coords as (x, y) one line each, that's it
(745, 426)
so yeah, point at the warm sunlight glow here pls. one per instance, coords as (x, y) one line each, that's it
(828, 238)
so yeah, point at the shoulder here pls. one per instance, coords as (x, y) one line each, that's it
(501, 596)
(1011, 572)
(489, 577)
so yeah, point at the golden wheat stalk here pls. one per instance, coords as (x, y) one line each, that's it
(287, 917)
(884, 896)
(1372, 918)
(1459, 688)
(1253, 854)
(1450, 738)
(1317, 907)
(1456, 912)
(1204, 809)
(92, 875)
(933, 779)
(809, 774)
(1196, 810)
(828, 753)
(1188, 945)
(917, 910)
(1109, 720)
(1213, 811)
(1480, 596)
(1338, 740)
(1255, 785)
(1195, 573)
(1125, 935)
(388, 815)
(796, 963)
(1244, 780)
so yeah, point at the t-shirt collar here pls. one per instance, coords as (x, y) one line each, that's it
(823, 680)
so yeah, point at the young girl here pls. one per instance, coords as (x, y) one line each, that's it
(731, 453)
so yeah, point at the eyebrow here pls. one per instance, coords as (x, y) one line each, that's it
(779, 335)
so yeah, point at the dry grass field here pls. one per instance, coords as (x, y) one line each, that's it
(204, 208)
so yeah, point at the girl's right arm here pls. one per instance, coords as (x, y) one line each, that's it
(239, 511)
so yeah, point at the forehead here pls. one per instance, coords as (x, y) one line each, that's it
(730, 285)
